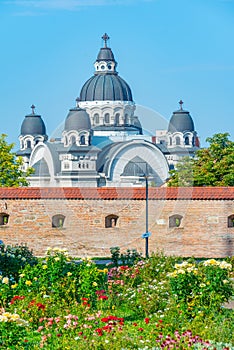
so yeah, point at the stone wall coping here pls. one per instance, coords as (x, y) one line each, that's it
(119, 193)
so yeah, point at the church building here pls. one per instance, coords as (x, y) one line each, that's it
(103, 143)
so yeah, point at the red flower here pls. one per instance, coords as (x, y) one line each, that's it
(100, 292)
(16, 297)
(102, 297)
(40, 306)
(99, 331)
(59, 335)
(85, 299)
(147, 320)
(161, 321)
(123, 268)
(135, 324)
(140, 329)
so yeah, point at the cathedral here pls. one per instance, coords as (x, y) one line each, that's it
(102, 143)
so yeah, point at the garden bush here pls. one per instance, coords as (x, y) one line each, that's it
(156, 303)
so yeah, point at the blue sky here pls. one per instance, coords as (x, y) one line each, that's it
(166, 50)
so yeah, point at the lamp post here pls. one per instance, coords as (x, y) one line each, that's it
(147, 234)
(146, 217)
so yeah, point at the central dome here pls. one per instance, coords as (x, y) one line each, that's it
(106, 84)
(106, 87)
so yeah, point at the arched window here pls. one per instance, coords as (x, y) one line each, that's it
(177, 141)
(73, 140)
(58, 220)
(170, 141)
(126, 119)
(186, 140)
(231, 221)
(96, 118)
(28, 144)
(82, 140)
(175, 220)
(117, 116)
(107, 118)
(4, 219)
(111, 221)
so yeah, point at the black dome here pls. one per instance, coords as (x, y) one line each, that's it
(181, 121)
(77, 119)
(33, 125)
(106, 87)
(105, 54)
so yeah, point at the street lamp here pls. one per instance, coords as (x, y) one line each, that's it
(147, 234)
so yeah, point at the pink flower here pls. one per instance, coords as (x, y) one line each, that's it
(40, 328)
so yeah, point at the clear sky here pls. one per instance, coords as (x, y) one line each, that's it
(166, 50)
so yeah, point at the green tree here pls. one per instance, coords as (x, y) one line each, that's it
(212, 166)
(11, 173)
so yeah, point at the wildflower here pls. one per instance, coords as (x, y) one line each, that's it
(13, 286)
(210, 262)
(95, 284)
(56, 258)
(22, 275)
(28, 283)
(69, 274)
(102, 297)
(40, 306)
(5, 280)
(44, 267)
(146, 320)
(35, 278)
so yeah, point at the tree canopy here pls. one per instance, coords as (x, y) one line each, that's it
(211, 166)
(11, 173)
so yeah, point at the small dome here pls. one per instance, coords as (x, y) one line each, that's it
(33, 125)
(106, 87)
(105, 54)
(181, 121)
(77, 119)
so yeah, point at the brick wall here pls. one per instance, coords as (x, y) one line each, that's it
(203, 231)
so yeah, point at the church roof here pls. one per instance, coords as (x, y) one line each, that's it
(33, 124)
(105, 85)
(181, 121)
(163, 193)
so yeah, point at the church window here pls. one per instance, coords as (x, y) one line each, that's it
(170, 141)
(87, 165)
(73, 140)
(79, 165)
(111, 221)
(186, 141)
(231, 221)
(58, 220)
(177, 141)
(28, 144)
(117, 116)
(107, 118)
(82, 140)
(175, 220)
(4, 219)
(126, 119)
(96, 118)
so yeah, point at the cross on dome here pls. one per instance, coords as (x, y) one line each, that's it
(181, 104)
(33, 109)
(105, 38)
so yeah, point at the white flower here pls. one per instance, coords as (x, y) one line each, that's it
(5, 280)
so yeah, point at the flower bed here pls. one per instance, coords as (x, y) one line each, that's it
(157, 303)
